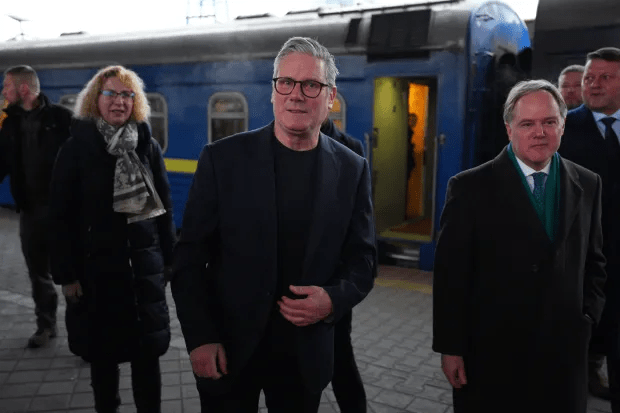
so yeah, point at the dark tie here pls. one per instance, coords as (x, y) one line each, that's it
(539, 188)
(611, 139)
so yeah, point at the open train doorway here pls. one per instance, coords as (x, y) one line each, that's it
(404, 162)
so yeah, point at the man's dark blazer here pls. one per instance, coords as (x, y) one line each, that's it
(230, 226)
(584, 144)
(510, 301)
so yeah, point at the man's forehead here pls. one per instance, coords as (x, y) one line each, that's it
(602, 65)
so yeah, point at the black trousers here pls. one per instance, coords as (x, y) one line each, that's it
(33, 232)
(347, 382)
(272, 369)
(145, 380)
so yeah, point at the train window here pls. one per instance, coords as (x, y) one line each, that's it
(339, 112)
(68, 101)
(227, 114)
(159, 119)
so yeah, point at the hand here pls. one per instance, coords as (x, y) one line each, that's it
(207, 358)
(72, 291)
(454, 369)
(312, 309)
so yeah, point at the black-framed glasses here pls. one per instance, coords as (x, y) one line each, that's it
(310, 88)
(112, 94)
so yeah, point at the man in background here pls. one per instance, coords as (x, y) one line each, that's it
(30, 138)
(347, 381)
(569, 83)
(591, 140)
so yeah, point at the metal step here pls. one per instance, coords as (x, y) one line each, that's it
(399, 254)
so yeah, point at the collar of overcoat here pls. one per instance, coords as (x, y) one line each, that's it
(509, 186)
(325, 189)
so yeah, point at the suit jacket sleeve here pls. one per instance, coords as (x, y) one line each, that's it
(594, 277)
(358, 259)
(192, 255)
(454, 263)
(165, 223)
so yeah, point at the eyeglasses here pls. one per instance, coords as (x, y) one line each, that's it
(310, 88)
(112, 94)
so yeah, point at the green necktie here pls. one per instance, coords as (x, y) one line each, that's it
(539, 188)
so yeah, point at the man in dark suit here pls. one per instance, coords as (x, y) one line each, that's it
(277, 244)
(591, 140)
(519, 269)
(346, 381)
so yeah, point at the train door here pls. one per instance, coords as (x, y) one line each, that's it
(403, 158)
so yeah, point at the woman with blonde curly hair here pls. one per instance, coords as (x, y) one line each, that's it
(112, 238)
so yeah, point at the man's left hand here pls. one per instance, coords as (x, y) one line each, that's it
(312, 309)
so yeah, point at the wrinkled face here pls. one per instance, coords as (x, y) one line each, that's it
(570, 88)
(601, 86)
(9, 90)
(116, 110)
(536, 129)
(296, 114)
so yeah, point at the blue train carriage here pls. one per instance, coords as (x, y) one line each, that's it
(414, 87)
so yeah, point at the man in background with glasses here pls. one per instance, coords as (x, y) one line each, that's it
(278, 243)
(30, 138)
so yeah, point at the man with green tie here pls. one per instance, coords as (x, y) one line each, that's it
(519, 269)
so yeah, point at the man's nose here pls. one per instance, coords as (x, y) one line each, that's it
(539, 129)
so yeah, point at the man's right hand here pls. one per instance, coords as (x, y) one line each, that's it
(72, 292)
(207, 358)
(454, 369)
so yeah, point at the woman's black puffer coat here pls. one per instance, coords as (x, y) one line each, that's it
(120, 266)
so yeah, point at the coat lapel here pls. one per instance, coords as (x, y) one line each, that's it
(260, 172)
(325, 194)
(570, 197)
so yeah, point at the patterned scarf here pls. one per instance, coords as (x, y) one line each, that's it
(134, 192)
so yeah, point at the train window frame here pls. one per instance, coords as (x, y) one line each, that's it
(342, 115)
(68, 101)
(164, 115)
(244, 116)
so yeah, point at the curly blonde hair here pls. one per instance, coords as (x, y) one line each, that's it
(86, 105)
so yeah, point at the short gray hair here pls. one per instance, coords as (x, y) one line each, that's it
(25, 74)
(310, 47)
(531, 86)
(571, 69)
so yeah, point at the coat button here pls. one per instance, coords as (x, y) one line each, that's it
(534, 268)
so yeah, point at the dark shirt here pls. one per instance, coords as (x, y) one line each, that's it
(295, 177)
(34, 155)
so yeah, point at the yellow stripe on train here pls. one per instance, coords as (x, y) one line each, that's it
(185, 166)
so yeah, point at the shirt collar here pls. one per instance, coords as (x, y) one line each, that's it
(527, 171)
(598, 115)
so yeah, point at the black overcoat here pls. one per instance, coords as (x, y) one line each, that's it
(120, 266)
(511, 301)
(230, 224)
(584, 144)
